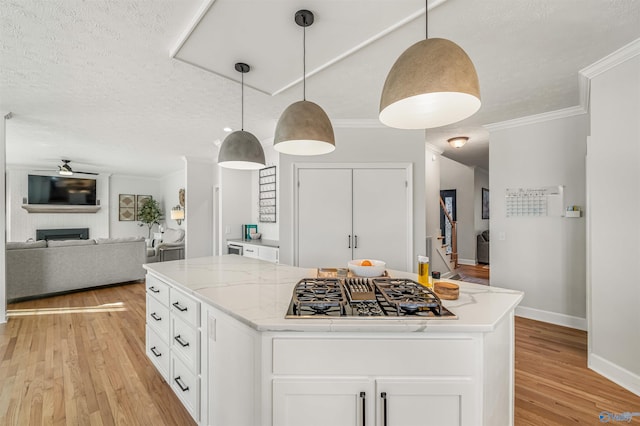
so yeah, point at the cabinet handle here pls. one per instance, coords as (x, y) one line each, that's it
(178, 307)
(183, 388)
(182, 342)
(155, 317)
(155, 351)
(349, 241)
(383, 395)
(356, 240)
(154, 290)
(363, 396)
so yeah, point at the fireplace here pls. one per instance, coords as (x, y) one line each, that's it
(62, 234)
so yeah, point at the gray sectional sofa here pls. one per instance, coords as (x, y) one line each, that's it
(42, 268)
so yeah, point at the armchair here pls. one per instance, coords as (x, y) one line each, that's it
(482, 249)
(171, 247)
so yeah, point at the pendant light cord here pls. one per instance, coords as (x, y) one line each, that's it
(426, 19)
(242, 102)
(304, 63)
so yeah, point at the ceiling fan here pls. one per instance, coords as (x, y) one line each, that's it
(65, 170)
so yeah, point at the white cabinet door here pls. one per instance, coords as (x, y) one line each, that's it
(322, 402)
(324, 217)
(270, 254)
(418, 402)
(380, 216)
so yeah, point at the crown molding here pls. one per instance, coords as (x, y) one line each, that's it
(537, 118)
(612, 60)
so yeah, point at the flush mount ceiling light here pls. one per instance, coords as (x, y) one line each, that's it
(458, 141)
(432, 84)
(240, 149)
(304, 128)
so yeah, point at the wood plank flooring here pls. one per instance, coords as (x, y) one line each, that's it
(79, 359)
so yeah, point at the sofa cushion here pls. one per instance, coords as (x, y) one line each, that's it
(173, 235)
(67, 243)
(118, 240)
(26, 245)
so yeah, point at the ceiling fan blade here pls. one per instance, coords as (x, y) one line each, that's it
(85, 173)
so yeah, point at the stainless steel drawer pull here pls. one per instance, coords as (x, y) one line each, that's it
(154, 290)
(155, 351)
(182, 342)
(155, 316)
(383, 395)
(180, 308)
(183, 387)
(363, 396)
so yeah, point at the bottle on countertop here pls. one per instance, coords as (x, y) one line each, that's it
(423, 272)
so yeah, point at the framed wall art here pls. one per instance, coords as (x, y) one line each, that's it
(126, 207)
(140, 200)
(485, 203)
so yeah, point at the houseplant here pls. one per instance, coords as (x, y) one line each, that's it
(150, 214)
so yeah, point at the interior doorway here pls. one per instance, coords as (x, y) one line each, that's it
(449, 198)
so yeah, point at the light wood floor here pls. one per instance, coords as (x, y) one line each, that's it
(79, 359)
(478, 274)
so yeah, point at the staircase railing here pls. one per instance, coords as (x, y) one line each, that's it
(454, 234)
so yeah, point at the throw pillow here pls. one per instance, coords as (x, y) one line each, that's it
(118, 240)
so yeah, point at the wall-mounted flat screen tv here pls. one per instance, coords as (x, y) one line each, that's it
(62, 190)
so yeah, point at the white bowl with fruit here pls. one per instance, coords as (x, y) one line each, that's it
(367, 267)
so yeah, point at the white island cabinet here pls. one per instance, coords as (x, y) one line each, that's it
(257, 367)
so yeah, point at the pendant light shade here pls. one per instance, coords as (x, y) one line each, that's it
(432, 84)
(304, 128)
(240, 149)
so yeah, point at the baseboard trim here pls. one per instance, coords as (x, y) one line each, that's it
(471, 262)
(615, 373)
(552, 317)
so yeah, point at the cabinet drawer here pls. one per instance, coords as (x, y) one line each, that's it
(158, 317)
(370, 356)
(186, 385)
(250, 251)
(158, 289)
(158, 352)
(185, 340)
(185, 307)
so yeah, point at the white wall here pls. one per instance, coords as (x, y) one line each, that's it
(3, 275)
(120, 184)
(170, 187)
(359, 146)
(431, 204)
(236, 204)
(454, 175)
(613, 174)
(481, 180)
(542, 256)
(22, 225)
(199, 207)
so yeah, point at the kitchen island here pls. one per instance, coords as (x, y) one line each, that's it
(225, 347)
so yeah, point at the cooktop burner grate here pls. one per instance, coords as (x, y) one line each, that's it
(364, 298)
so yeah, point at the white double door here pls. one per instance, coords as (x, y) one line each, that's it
(353, 213)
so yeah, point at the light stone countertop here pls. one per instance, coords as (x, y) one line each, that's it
(258, 294)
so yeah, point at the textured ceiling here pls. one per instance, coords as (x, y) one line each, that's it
(94, 81)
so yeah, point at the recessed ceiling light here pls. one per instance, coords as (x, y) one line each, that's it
(227, 129)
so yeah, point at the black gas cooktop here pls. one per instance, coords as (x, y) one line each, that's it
(365, 298)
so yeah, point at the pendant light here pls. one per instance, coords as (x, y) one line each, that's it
(304, 128)
(432, 84)
(240, 149)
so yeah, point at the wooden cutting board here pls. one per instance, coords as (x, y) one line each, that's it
(447, 291)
